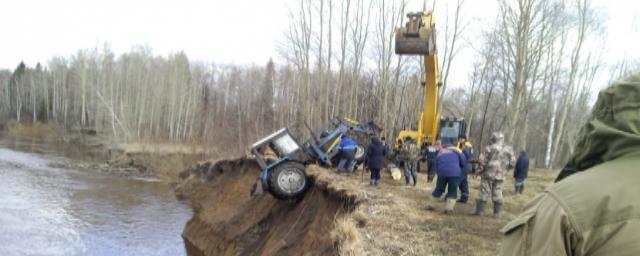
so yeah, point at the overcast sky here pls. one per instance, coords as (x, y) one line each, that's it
(223, 31)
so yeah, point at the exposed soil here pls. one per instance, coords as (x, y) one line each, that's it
(229, 221)
(339, 215)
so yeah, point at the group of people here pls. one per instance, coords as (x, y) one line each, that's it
(375, 156)
(451, 163)
(568, 218)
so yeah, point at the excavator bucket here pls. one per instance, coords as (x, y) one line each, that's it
(410, 44)
(417, 37)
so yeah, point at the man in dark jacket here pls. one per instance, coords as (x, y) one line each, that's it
(383, 140)
(347, 154)
(449, 164)
(430, 154)
(467, 150)
(521, 171)
(374, 161)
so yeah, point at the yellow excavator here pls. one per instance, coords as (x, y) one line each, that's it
(418, 37)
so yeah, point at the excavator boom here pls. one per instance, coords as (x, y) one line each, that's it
(418, 37)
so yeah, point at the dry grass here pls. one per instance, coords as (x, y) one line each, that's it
(392, 219)
(360, 217)
(163, 148)
(165, 162)
(346, 236)
(30, 130)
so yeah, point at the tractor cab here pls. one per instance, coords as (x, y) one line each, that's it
(281, 160)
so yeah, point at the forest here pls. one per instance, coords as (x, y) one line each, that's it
(534, 71)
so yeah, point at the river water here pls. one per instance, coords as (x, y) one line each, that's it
(64, 211)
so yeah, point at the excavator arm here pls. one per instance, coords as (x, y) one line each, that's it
(418, 37)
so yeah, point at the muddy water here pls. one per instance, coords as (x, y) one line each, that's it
(63, 211)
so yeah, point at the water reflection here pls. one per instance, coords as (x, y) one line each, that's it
(57, 211)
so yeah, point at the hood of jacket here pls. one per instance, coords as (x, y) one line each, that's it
(613, 129)
(375, 141)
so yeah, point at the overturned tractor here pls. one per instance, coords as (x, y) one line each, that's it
(282, 159)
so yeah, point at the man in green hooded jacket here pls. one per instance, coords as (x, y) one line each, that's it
(593, 208)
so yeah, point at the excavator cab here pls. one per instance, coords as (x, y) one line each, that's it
(450, 129)
(417, 37)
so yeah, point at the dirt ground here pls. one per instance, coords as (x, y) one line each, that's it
(339, 215)
(393, 219)
(229, 221)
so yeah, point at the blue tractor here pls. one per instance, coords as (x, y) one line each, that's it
(282, 159)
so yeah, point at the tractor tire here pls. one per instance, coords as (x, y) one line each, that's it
(288, 181)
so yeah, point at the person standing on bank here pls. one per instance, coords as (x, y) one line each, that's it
(430, 154)
(410, 155)
(374, 160)
(521, 171)
(496, 159)
(467, 150)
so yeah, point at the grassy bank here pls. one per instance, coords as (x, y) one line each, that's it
(104, 153)
(395, 220)
(29, 130)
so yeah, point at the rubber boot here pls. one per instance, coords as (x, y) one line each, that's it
(521, 188)
(448, 207)
(479, 208)
(497, 208)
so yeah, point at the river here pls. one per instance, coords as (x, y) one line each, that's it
(65, 211)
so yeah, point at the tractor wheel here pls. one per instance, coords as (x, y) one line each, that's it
(288, 181)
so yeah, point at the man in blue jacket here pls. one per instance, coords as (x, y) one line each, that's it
(521, 171)
(449, 164)
(347, 153)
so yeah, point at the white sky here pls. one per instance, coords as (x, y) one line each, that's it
(223, 31)
(229, 31)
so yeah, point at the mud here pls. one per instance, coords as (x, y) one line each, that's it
(229, 221)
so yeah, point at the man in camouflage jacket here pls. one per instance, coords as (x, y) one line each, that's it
(409, 155)
(496, 159)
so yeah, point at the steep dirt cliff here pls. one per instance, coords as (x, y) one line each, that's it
(228, 221)
(339, 215)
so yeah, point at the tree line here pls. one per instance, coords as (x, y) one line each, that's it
(532, 79)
